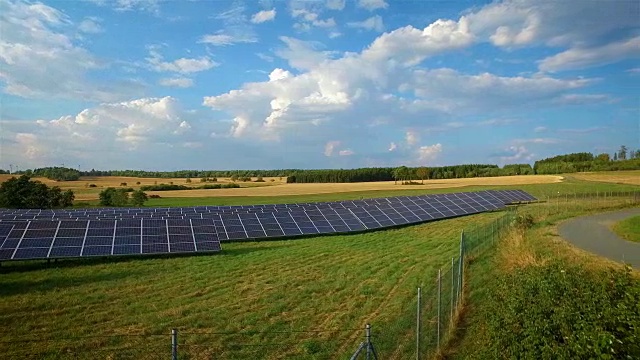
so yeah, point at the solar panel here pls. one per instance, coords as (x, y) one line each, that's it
(40, 239)
(27, 233)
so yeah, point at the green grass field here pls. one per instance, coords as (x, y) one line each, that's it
(628, 229)
(302, 299)
(322, 283)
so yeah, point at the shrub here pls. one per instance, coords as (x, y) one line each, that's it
(137, 182)
(123, 184)
(154, 196)
(138, 198)
(524, 222)
(93, 185)
(114, 197)
(188, 181)
(259, 179)
(560, 311)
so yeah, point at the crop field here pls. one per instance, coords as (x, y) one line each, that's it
(84, 192)
(618, 177)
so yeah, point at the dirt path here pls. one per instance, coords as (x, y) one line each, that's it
(592, 233)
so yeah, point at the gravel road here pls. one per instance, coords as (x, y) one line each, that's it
(591, 233)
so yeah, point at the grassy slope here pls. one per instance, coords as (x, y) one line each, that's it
(628, 229)
(537, 247)
(320, 283)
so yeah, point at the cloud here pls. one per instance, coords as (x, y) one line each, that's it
(372, 23)
(346, 152)
(222, 39)
(584, 99)
(182, 65)
(335, 4)
(536, 141)
(540, 129)
(372, 4)
(237, 28)
(633, 70)
(307, 19)
(39, 60)
(179, 82)
(330, 147)
(515, 154)
(90, 25)
(302, 55)
(263, 16)
(151, 6)
(412, 137)
(393, 146)
(428, 153)
(581, 58)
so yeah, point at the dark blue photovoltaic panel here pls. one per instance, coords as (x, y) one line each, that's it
(36, 234)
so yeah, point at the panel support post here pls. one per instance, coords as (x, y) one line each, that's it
(174, 344)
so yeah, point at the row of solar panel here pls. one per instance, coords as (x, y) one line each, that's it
(505, 196)
(82, 237)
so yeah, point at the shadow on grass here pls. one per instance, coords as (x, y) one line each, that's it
(17, 287)
(33, 265)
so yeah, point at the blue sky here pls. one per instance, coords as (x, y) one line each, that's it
(163, 85)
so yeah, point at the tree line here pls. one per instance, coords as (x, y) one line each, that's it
(24, 193)
(623, 159)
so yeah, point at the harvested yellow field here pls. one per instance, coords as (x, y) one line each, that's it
(324, 188)
(277, 187)
(84, 192)
(619, 177)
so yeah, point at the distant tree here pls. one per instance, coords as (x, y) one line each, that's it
(114, 197)
(604, 157)
(615, 156)
(397, 174)
(24, 193)
(123, 184)
(188, 181)
(259, 179)
(422, 173)
(137, 182)
(234, 177)
(138, 198)
(622, 153)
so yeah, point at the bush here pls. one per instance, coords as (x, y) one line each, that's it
(137, 182)
(138, 198)
(558, 311)
(259, 179)
(188, 181)
(219, 186)
(123, 184)
(93, 185)
(154, 196)
(114, 197)
(524, 222)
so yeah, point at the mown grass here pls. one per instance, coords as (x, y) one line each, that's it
(628, 229)
(527, 324)
(332, 284)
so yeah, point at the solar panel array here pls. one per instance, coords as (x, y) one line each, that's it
(42, 234)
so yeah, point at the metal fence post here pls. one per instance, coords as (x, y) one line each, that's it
(453, 273)
(174, 344)
(418, 324)
(439, 303)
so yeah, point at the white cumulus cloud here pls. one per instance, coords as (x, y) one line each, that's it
(372, 4)
(373, 23)
(263, 16)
